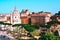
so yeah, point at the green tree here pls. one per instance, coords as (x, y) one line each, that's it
(29, 27)
(17, 25)
(58, 13)
(9, 24)
(1, 22)
(49, 36)
(36, 33)
(53, 22)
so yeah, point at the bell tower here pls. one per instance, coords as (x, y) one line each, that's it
(15, 17)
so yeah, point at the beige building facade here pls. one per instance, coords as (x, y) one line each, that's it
(26, 17)
(40, 18)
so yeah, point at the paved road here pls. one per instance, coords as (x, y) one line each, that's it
(5, 36)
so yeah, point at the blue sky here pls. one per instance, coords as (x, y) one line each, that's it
(7, 6)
